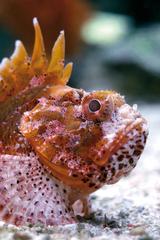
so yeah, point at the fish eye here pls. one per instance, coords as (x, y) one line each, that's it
(94, 105)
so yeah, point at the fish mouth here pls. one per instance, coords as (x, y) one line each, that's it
(126, 126)
(123, 135)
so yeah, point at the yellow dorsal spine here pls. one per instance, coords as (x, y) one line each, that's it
(39, 61)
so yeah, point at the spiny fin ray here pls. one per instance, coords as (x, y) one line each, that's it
(58, 54)
(6, 80)
(20, 66)
(20, 54)
(67, 73)
(39, 60)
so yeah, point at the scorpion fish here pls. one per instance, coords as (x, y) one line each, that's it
(59, 144)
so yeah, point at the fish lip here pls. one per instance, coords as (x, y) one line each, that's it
(121, 137)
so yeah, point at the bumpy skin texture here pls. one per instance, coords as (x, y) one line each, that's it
(59, 144)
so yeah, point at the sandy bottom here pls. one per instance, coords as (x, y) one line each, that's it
(128, 210)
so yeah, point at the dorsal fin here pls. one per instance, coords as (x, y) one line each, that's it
(17, 72)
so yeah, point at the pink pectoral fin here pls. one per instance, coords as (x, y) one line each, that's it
(28, 194)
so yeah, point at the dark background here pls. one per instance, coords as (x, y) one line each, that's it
(130, 64)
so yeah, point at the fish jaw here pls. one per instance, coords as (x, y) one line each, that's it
(126, 139)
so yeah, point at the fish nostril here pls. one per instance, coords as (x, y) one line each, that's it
(94, 105)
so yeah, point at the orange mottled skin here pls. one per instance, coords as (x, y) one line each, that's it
(59, 144)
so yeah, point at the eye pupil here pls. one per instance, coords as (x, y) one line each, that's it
(94, 105)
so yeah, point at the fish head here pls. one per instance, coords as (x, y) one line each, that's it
(86, 139)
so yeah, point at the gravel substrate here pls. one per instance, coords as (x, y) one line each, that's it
(128, 210)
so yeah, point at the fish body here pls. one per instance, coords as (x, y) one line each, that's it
(59, 144)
